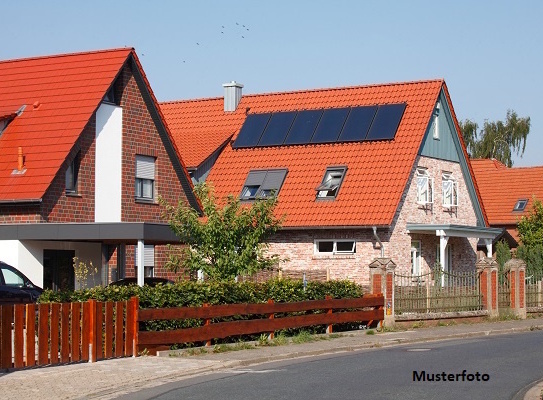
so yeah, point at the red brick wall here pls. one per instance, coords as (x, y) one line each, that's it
(60, 207)
(20, 213)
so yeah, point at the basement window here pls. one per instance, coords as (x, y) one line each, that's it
(335, 247)
(520, 205)
(333, 178)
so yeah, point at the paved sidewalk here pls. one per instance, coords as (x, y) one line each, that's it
(112, 378)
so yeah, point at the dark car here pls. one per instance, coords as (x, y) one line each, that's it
(151, 281)
(15, 287)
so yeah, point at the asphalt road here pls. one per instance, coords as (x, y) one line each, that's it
(506, 364)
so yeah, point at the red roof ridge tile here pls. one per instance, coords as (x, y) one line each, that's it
(197, 100)
(128, 49)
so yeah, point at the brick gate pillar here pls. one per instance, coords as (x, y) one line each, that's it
(516, 270)
(382, 281)
(488, 281)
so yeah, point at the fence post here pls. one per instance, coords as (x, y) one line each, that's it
(488, 281)
(135, 305)
(517, 271)
(271, 316)
(93, 334)
(329, 328)
(207, 323)
(382, 281)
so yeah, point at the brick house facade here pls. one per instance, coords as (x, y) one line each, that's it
(38, 233)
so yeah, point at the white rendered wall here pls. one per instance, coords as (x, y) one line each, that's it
(108, 163)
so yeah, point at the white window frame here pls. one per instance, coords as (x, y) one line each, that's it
(416, 258)
(334, 247)
(149, 259)
(449, 187)
(425, 184)
(145, 177)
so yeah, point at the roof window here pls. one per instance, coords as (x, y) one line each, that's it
(263, 184)
(331, 182)
(520, 205)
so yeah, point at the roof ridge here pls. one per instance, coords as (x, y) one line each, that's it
(371, 85)
(67, 54)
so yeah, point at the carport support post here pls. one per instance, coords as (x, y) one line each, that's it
(382, 281)
(488, 281)
(141, 262)
(517, 270)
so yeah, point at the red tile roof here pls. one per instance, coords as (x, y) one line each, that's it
(501, 187)
(60, 93)
(377, 171)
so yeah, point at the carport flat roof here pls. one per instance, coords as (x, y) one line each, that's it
(112, 232)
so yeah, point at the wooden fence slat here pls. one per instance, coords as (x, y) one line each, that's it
(18, 336)
(43, 334)
(6, 318)
(129, 328)
(65, 332)
(54, 328)
(30, 335)
(229, 310)
(99, 331)
(76, 332)
(119, 328)
(108, 322)
(246, 327)
(85, 336)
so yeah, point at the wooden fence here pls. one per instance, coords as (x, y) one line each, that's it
(267, 318)
(47, 334)
(37, 335)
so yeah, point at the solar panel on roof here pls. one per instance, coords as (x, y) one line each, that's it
(358, 123)
(330, 125)
(303, 127)
(277, 129)
(386, 122)
(251, 130)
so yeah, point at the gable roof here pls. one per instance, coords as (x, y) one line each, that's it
(60, 94)
(377, 171)
(501, 187)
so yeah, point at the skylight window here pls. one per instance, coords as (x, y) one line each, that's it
(331, 183)
(520, 205)
(263, 184)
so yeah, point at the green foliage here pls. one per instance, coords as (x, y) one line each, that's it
(533, 257)
(226, 242)
(503, 253)
(497, 139)
(530, 227)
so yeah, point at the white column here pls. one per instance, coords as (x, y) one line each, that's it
(442, 245)
(488, 243)
(141, 262)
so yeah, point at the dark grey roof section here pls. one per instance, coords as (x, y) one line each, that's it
(159, 123)
(455, 230)
(108, 232)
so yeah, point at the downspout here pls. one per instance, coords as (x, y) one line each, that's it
(379, 241)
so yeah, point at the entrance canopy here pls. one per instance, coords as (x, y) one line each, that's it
(447, 231)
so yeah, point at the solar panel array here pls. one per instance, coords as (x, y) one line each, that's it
(332, 125)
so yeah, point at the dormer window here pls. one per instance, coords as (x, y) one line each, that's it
(331, 183)
(520, 205)
(72, 174)
(263, 184)
(450, 190)
(425, 185)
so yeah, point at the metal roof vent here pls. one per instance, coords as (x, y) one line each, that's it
(232, 95)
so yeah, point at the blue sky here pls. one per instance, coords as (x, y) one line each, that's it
(489, 52)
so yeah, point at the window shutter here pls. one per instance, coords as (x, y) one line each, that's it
(274, 180)
(145, 167)
(148, 255)
(255, 178)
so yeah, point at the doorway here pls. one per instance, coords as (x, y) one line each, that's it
(58, 270)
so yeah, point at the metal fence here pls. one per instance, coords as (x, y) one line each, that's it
(534, 290)
(437, 291)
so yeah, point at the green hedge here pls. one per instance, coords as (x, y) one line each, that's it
(190, 293)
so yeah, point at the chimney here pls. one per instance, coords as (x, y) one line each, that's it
(20, 159)
(232, 95)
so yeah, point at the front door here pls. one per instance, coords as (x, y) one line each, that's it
(58, 270)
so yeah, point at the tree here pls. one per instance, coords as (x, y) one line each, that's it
(497, 139)
(227, 241)
(530, 230)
